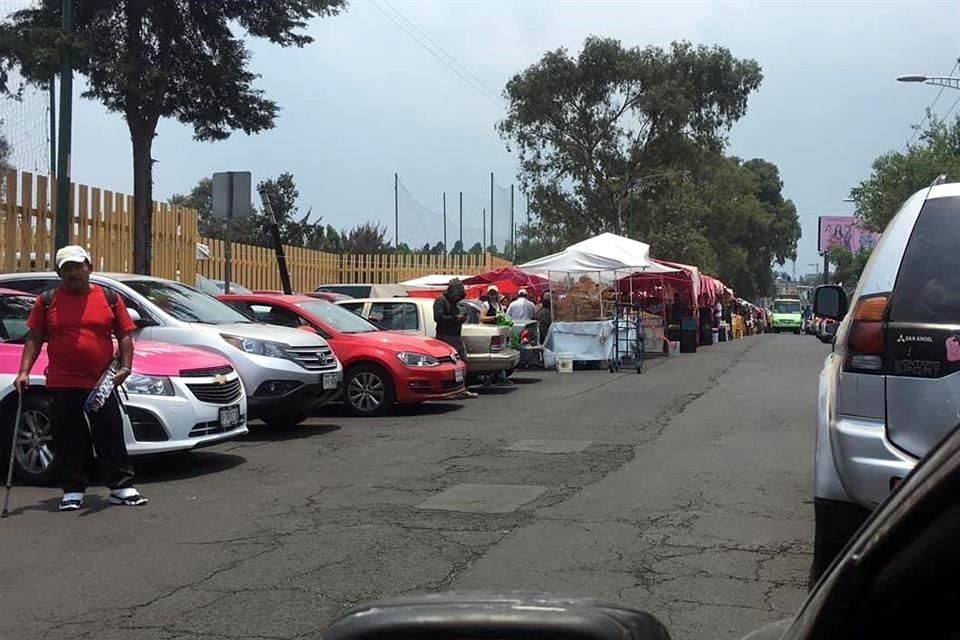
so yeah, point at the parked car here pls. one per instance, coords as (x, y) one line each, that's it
(488, 346)
(890, 388)
(365, 290)
(177, 398)
(216, 287)
(381, 368)
(897, 579)
(827, 330)
(786, 315)
(286, 373)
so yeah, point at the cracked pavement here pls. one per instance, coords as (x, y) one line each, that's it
(686, 492)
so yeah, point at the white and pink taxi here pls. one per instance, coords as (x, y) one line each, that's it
(177, 398)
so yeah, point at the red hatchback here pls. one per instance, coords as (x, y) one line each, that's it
(380, 368)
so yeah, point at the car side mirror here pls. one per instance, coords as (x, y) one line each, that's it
(139, 320)
(830, 301)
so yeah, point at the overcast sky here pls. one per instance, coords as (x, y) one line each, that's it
(365, 101)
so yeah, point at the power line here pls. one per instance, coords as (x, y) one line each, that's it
(452, 59)
(478, 87)
(952, 107)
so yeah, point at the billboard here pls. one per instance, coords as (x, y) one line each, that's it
(844, 231)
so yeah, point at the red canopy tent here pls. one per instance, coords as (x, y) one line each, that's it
(509, 280)
(712, 289)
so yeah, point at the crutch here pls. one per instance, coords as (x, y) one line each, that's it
(13, 452)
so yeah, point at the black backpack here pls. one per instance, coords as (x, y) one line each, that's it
(46, 299)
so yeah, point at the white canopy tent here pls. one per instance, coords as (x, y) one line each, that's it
(431, 281)
(605, 253)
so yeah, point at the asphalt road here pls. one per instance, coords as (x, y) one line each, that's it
(685, 491)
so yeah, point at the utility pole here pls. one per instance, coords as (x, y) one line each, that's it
(396, 211)
(484, 230)
(52, 90)
(444, 221)
(461, 221)
(826, 268)
(63, 217)
(513, 229)
(277, 242)
(491, 211)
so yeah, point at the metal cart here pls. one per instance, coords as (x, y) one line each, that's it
(628, 337)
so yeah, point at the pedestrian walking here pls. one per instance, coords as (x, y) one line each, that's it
(78, 321)
(450, 319)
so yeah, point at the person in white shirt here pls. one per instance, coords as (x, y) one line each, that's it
(521, 309)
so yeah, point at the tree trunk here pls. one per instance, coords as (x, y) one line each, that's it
(142, 139)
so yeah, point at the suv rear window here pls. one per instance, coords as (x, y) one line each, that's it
(928, 283)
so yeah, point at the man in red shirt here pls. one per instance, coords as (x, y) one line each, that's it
(79, 323)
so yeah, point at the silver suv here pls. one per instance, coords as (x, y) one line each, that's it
(891, 387)
(286, 373)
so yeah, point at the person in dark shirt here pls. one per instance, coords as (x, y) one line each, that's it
(450, 319)
(78, 323)
(544, 317)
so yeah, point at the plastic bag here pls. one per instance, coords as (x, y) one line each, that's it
(105, 386)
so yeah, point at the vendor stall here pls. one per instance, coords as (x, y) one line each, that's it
(583, 288)
(509, 280)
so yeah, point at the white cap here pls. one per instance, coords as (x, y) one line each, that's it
(522, 292)
(72, 253)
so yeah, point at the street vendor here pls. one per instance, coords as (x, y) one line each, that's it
(491, 306)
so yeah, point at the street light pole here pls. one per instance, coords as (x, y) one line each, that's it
(64, 220)
(937, 81)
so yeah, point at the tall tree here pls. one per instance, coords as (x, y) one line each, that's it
(367, 238)
(848, 265)
(182, 59)
(897, 175)
(594, 131)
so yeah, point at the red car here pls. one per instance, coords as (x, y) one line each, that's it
(380, 368)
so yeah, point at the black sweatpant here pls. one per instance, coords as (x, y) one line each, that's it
(74, 441)
(457, 343)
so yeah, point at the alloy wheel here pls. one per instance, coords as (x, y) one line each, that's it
(365, 391)
(33, 451)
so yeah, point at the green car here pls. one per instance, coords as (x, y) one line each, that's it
(787, 315)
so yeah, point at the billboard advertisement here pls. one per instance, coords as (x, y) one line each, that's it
(846, 232)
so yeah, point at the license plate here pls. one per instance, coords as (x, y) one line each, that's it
(458, 376)
(330, 381)
(230, 416)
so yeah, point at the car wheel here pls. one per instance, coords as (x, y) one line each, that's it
(796, 332)
(835, 523)
(33, 456)
(284, 419)
(367, 390)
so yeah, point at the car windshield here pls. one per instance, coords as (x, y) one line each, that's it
(14, 311)
(185, 303)
(337, 318)
(787, 306)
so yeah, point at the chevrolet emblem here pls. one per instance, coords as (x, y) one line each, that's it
(219, 379)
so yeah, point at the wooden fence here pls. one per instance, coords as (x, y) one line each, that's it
(103, 223)
(256, 267)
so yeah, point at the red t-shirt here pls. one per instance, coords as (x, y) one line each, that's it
(79, 328)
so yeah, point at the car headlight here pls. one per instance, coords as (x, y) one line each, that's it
(257, 347)
(148, 385)
(412, 359)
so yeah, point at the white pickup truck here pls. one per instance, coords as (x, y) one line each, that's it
(488, 346)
